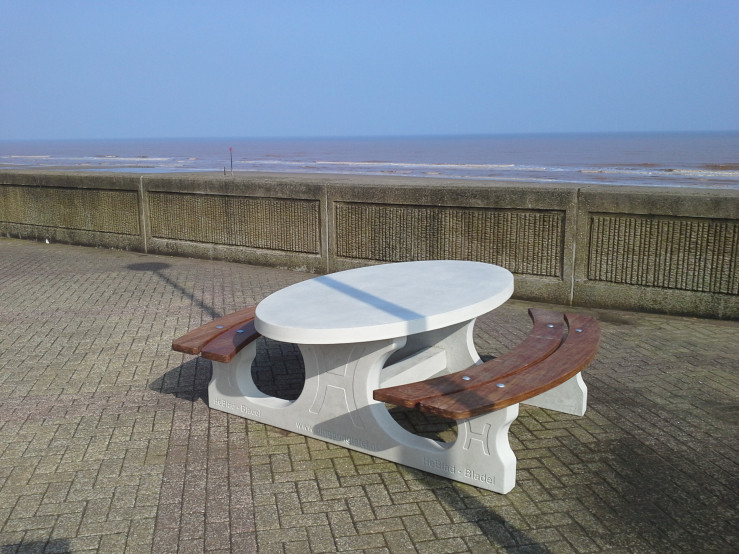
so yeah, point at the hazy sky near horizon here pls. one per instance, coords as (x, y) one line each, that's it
(146, 69)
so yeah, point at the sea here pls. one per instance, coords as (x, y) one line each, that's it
(707, 160)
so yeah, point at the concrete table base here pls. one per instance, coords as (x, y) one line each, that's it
(336, 404)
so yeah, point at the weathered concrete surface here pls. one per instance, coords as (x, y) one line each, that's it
(107, 443)
(667, 250)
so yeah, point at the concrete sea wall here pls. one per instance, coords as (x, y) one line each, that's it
(667, 250)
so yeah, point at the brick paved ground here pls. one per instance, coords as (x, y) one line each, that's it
(107, 443)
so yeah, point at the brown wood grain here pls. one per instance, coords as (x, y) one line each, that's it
(225, 346)
(576, 352)
(194, 341)
(546, 336)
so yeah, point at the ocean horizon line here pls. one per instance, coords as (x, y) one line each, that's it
(389, 136)
(700, 159)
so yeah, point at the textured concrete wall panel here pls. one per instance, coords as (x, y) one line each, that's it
(685, 254)
(107, 211)
(290, 225)
(525, 242)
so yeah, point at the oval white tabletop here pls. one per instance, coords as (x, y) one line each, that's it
(383, 301)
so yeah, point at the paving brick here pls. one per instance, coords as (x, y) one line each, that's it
(321, 539)
(418, 528)
(360, 542)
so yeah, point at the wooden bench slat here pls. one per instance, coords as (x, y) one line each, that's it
(225, 346)
(194, 341)
(546, 336)
(576, 352)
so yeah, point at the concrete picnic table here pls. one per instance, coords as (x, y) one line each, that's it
(372, 327)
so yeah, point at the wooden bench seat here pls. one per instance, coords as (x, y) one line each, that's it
(222, 338)
(557, 349)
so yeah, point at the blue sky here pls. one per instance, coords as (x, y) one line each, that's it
(104, 69)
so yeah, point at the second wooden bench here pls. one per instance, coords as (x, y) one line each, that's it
(554, 353)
